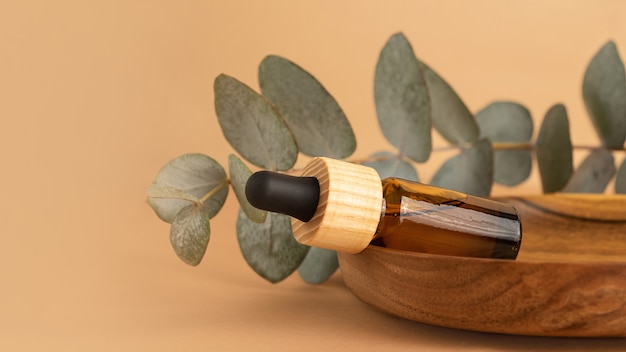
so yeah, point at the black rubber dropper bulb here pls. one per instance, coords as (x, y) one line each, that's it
(295, 196)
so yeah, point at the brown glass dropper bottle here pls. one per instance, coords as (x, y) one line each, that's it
(345, 207)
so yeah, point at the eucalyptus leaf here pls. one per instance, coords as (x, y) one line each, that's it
(469, 172)
(318, 265)
(512, 167)
(190, 232)
(508, 122)
(270, 248)
(604, 93)
(593, 174)
(388, 164)
(402, 101)
(554, 150)
(319, 125)
(450, 117)
(252, 126)
(185, 180)
(620, 179)
(239, 174)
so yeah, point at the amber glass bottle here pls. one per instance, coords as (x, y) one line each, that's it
(343, 206)
(422, 218)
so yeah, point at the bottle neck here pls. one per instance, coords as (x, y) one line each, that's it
(383, 211)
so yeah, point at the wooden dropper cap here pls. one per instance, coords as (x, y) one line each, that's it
(349, 207)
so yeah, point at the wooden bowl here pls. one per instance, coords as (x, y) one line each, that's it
(569, 278)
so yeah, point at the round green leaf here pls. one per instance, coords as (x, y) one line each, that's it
(505, 121)
(186, 180)
(604, 93)
(469, 172)
(190, 232)
(511, 167)
(318, 265)
(318, 124)
(620, 179)
(508, 122)
(388, 164)
(554, 150)
(449, 115)
(593, 174)
(252, 126)
(239, 174)
(401, 97)
(270, 248)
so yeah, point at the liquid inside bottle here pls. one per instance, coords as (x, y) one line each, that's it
(427, 219)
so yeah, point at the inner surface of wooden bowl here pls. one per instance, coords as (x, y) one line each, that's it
(569, 278)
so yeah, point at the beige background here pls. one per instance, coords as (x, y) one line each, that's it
(96, 95)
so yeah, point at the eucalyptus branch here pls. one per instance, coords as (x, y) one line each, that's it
(298, 115)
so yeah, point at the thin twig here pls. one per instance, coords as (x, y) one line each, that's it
(214, 190)
(512, 146)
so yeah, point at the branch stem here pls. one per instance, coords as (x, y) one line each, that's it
(512, 146)
(495, 146)
(209, 194)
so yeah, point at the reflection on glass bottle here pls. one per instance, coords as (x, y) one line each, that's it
(422, 218)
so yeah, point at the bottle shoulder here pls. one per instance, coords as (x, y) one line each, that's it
(394, 189)
(398, 191)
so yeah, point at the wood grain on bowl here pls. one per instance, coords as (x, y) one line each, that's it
(569, 278)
